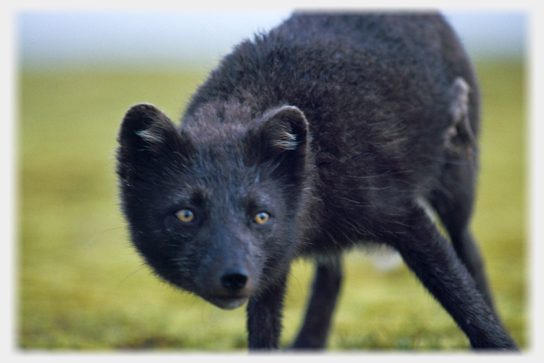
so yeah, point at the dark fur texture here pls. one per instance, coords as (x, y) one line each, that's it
(335, 131)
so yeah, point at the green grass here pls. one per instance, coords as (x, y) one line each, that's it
(82, 286)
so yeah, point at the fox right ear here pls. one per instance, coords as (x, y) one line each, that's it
(145, 128)
(143, 124)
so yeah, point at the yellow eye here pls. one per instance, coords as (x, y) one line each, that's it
(185, 215)
(262, 218)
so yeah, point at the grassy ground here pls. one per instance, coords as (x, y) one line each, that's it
(80, 284)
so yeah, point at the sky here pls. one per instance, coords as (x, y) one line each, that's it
(60, 38)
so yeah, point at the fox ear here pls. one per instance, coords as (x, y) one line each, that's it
(282, 138)
(283, 129)
(148, 137)
(146, 129)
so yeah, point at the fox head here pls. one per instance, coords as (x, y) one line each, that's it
(213, 206)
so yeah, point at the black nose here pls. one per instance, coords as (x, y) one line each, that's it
(234, 278)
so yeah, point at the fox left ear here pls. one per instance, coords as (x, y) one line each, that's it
(282, 137)
(283, 129)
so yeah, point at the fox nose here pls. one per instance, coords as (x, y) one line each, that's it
(234, 278)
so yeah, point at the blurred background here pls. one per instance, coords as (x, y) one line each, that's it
(80, 284)
(60, 39)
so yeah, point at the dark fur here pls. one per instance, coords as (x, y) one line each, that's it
(342, 128)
